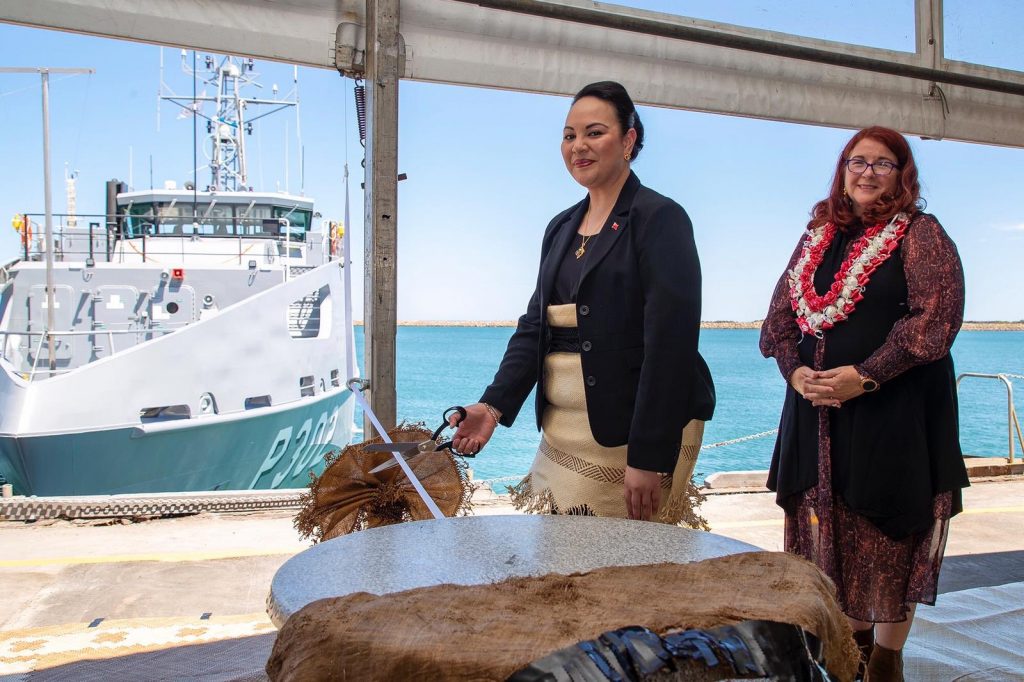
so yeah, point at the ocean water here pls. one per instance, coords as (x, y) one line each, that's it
(442, 366)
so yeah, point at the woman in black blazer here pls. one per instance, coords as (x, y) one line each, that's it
(609, 337)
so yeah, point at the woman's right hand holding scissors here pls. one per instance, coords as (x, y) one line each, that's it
(476, 429)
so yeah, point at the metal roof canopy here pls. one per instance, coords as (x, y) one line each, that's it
(523, 47)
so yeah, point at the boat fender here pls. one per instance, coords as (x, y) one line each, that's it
(23, 226)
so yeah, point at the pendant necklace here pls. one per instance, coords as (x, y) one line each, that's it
(586, 238)
(583, 246)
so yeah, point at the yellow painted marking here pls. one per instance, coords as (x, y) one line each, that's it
(994, 510)
(164, 556)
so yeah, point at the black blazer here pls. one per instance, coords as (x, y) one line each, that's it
(638, 312)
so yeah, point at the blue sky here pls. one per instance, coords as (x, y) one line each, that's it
(485, 174)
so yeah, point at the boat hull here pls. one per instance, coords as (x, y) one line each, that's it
(263, 449)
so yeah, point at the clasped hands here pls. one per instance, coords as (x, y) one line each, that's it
(827, 388)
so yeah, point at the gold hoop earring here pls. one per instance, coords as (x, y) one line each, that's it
(626, 156)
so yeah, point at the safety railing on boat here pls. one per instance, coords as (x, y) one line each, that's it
(5, 273)
(77, 238)
(44, 336)
(1012, 423)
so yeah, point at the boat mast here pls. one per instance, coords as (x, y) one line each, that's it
(226, 150)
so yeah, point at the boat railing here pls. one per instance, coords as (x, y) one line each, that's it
(96, 237)
(44, 336)
(1012, 422)
(5, 272)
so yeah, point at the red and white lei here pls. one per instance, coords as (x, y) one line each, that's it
(815, 313)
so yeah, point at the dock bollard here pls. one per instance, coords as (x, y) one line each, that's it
(6, 490)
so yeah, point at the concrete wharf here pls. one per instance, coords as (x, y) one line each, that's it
(184, 597)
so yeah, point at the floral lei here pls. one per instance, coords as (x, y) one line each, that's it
(815, 313)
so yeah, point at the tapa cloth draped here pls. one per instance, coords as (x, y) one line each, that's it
(446, 633)
(572, 473)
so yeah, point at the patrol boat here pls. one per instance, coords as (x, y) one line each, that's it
(188, 340)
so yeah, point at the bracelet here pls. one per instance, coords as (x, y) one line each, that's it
(491, 411)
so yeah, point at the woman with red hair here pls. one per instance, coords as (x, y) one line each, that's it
(867, 464)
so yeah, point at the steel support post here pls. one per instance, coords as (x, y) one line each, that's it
(381, 215)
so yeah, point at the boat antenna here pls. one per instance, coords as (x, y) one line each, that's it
(298, 131)
(230, 121)
(159, 99)
(195, 135)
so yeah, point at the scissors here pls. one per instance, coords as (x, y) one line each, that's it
(409, 450)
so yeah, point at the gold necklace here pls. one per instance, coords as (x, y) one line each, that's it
(583, 246)
(586, 238)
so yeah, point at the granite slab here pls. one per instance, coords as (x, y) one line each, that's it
(478, 550)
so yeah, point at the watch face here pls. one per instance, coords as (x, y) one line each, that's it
(869, 385)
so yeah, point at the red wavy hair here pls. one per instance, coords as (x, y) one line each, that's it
(837, 208)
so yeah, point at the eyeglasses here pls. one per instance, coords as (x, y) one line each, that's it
(883, 167)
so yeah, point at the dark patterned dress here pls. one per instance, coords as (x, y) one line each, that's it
(869, 487)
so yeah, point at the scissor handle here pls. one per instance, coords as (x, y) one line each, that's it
(444, 424)
(444, 419)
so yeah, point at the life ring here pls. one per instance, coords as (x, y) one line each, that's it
(23, 226)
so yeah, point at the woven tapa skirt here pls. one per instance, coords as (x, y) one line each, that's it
(572, 473)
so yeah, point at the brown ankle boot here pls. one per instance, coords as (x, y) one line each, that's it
(885, 665)
(865, 640)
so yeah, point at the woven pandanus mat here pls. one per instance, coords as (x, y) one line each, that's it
(488, 632)
(346, 497)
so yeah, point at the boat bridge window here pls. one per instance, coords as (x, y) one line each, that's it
(179, 218)
(139, 219)
(218, 219)
(298, 219)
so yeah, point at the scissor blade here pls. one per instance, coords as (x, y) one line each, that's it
(400, 448)
(405, 450)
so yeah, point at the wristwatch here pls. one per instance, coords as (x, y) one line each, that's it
(868, 384)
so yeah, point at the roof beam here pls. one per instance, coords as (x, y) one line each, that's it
(454, 41)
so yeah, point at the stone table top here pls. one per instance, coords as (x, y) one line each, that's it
(476, 550)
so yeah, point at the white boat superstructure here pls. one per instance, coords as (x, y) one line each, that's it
(184, 340)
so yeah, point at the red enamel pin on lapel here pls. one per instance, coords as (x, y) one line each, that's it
(615, 226)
